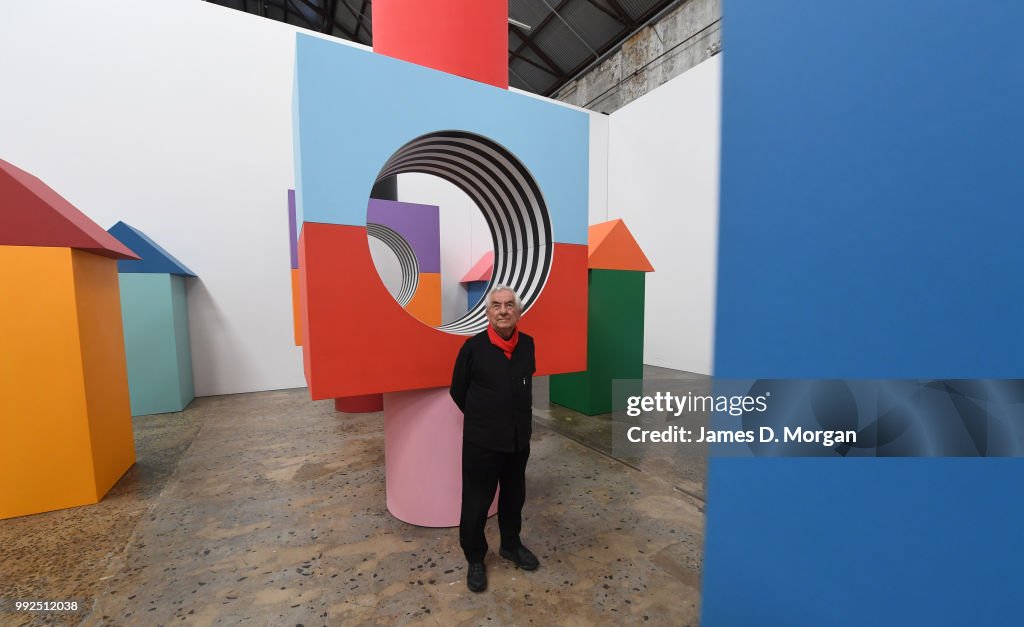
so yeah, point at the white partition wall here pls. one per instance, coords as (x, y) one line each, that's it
(598, 209)
(663, 169)
(176, 118)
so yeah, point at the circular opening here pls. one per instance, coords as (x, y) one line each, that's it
(507, 196)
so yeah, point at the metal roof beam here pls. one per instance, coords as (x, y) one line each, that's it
(571, 29)
(358, 15)
(624, 17)
(539, 27)
(288, 6)
(330, 10)
(359, 24)
(651, 17)
(534, 64)
(617, 15)
(525, 82)
(321, 13)
(540, 53)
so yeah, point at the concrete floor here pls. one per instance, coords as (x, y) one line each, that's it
(268, 509)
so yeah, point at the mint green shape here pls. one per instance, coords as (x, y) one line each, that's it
(154, 312)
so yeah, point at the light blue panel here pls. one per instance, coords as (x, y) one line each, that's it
(151, 347)
(870, 227)
(355, 109)
(183, 348)
(297, 151)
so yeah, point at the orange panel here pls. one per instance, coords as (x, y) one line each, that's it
(425, 304)
(296, 307)
(468, 38)
(45, 453)
(597, 232)
(105, 371)
(360, 341)
(612, 247)
(304, 308)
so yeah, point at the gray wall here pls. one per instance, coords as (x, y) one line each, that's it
(678, 40)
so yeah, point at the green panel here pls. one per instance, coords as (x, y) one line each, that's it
(571, 390)
(179, 304)
(147, 312)
(615, 342)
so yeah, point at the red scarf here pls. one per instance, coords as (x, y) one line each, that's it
(508, 345)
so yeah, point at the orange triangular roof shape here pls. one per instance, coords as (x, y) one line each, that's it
(481, 270)
(611, 247)
(33, 214)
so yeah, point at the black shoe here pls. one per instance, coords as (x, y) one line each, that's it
(522, 556)
(476, 577)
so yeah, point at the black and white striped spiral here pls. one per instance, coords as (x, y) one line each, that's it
(509, 198)
(406, 258)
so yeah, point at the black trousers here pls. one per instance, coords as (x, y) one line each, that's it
(483, 470)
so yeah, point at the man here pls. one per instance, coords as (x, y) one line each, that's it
(492, 385)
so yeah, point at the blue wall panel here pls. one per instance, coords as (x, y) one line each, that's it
(871, 216)
(153, 258)
(396, 102)
(474, 293)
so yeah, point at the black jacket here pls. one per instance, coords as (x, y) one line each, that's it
(495, 393)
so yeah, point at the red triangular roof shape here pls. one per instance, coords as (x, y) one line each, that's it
(481, 270)
(611, 247)
(33, 214)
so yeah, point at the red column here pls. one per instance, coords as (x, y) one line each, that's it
(468, 38)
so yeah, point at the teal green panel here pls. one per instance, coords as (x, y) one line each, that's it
(179, 304)
(615, 342)
(147, 313)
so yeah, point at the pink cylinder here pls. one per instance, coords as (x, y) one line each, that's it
(423, 457)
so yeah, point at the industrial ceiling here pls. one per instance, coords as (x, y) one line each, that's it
(550, 42)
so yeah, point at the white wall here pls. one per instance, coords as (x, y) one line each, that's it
(663, 182)
(176, 118)
(599, 127)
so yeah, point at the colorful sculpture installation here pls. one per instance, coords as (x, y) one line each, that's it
(66, 432)
(293, 246)
(413, 232)
(530, 157)
(476, 280)
(154, 310)
(615, 323)
(524, 161)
